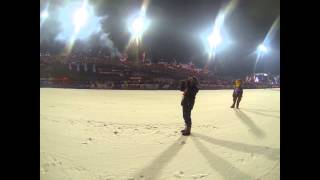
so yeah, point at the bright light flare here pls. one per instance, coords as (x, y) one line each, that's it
(272, 31)
(80, 18)
(262, 48)
(78, 22)
(137, 27)
(44, 14)
(215, 39)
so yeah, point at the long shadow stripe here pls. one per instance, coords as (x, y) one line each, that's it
(222, 166)
(153, 170)
(247, 120)
(271, 153)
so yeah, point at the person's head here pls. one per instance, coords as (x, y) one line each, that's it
(183, 85)
(193, 81)
(238, 83)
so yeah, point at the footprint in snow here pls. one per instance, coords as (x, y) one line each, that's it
(179, 174)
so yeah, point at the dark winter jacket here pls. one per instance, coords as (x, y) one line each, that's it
(237, 92)
(189, 96)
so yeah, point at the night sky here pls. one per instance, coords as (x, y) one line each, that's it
(175, 28)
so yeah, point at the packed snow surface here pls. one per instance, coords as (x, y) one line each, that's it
(135, 135)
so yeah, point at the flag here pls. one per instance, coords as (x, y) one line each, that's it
(256, 79)
(124, 57)
(143, 56)
(94, 68)
(85, 67)
(78, 67)
(175, 61)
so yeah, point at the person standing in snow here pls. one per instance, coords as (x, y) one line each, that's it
(237, 93)
(190, 90)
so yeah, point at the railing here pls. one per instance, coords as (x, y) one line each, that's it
(141, 86)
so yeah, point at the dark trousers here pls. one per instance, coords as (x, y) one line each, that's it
(186, 108)
(236, 100)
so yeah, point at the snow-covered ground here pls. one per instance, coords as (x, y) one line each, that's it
(122, 135)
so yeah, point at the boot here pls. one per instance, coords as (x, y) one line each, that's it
(234, 102)
(187, 132)
(238, 102)
(185, 128)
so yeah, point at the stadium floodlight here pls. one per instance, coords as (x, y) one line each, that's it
(77, 18)
(44, 14)
(137, 27)
(217, 38)
(214, 39)
(262, 48)
(78, 22)
(80, 18)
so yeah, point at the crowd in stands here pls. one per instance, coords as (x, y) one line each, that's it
(78, 71)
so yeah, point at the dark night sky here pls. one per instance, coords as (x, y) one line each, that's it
(177, 23)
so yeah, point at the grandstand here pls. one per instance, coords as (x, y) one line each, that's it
(78, 71)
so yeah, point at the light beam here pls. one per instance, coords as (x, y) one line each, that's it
(80, 18)
(215, 38)
(78, 22)
(138, 24)
(262, 48)
(44, 15)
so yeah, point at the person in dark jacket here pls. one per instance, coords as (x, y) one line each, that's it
(190, 91)
(237, 93)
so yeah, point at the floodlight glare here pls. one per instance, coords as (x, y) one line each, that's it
(80, 17)
(137, 25)
(78, 22)
(214, 40)
(262, 48)
(44, 14)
